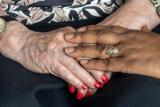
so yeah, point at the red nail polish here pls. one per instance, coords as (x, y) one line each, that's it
(72, 89)
(97, 84)
(88, 94)
(84, 87)
(105, 79)
(102, 85)
(79, 96)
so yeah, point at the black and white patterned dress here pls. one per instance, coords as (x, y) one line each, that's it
(52, 11)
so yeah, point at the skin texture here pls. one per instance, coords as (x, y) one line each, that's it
(27, 45)
(131, 9)
(133, 15)
(138, 50)
(44, 53)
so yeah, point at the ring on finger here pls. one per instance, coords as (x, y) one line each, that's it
(112, 51)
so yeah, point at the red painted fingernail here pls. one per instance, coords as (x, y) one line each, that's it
(105, 79)
(97, 84)
(88, 94)
(79, 96)
(84, 87)
(102, 85)
(72, 89)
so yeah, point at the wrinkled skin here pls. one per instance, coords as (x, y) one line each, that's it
(133, 15)
(138, 50)
(44, 53)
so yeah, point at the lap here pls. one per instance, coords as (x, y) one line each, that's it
(23, 88)
(127, 91)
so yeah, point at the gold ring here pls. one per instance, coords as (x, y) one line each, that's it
(112, 51)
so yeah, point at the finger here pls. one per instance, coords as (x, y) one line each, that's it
(88, 51)
(111, 64)
(91, 92)
(69, 77)
(94, 51)
(117, 29)
(71, 89)
(93, 37)
(80, 72)
(59, 38)
(66, 30)
(80, 94)
(94, 64)
(100, 76)
(108, 74)
(91, 27)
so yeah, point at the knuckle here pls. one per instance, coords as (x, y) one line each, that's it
(98, 73)
(100, 32)
(70, 28)
(60, 33)
(82, 35)
(80, 48)
(130, 60)
(65, 76)
(106, 64)
(100, 50)
(90, 27)
(51, 46)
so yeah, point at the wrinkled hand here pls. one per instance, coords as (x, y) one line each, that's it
(138, 50)
(44, 53)
(133, 15)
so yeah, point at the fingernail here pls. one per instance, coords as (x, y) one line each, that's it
(79, 96)
(88, 94)
(84, 87)
(69, 50)
(102, 85)
(105, 79)
(84, 61)
(97, 84)
(69, 36)
(72, 89)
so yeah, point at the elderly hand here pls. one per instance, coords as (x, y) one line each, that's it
(44, 53)
(133, 15)
(138, 51)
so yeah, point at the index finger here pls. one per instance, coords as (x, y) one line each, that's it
(92, 37)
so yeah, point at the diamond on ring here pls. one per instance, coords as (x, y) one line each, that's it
(112, 51)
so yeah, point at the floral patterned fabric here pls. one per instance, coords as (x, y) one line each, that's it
(37, 11)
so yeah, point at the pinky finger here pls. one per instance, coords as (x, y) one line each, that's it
(67, 76)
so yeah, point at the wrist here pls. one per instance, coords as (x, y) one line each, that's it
(145, 8)
(13, 39)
